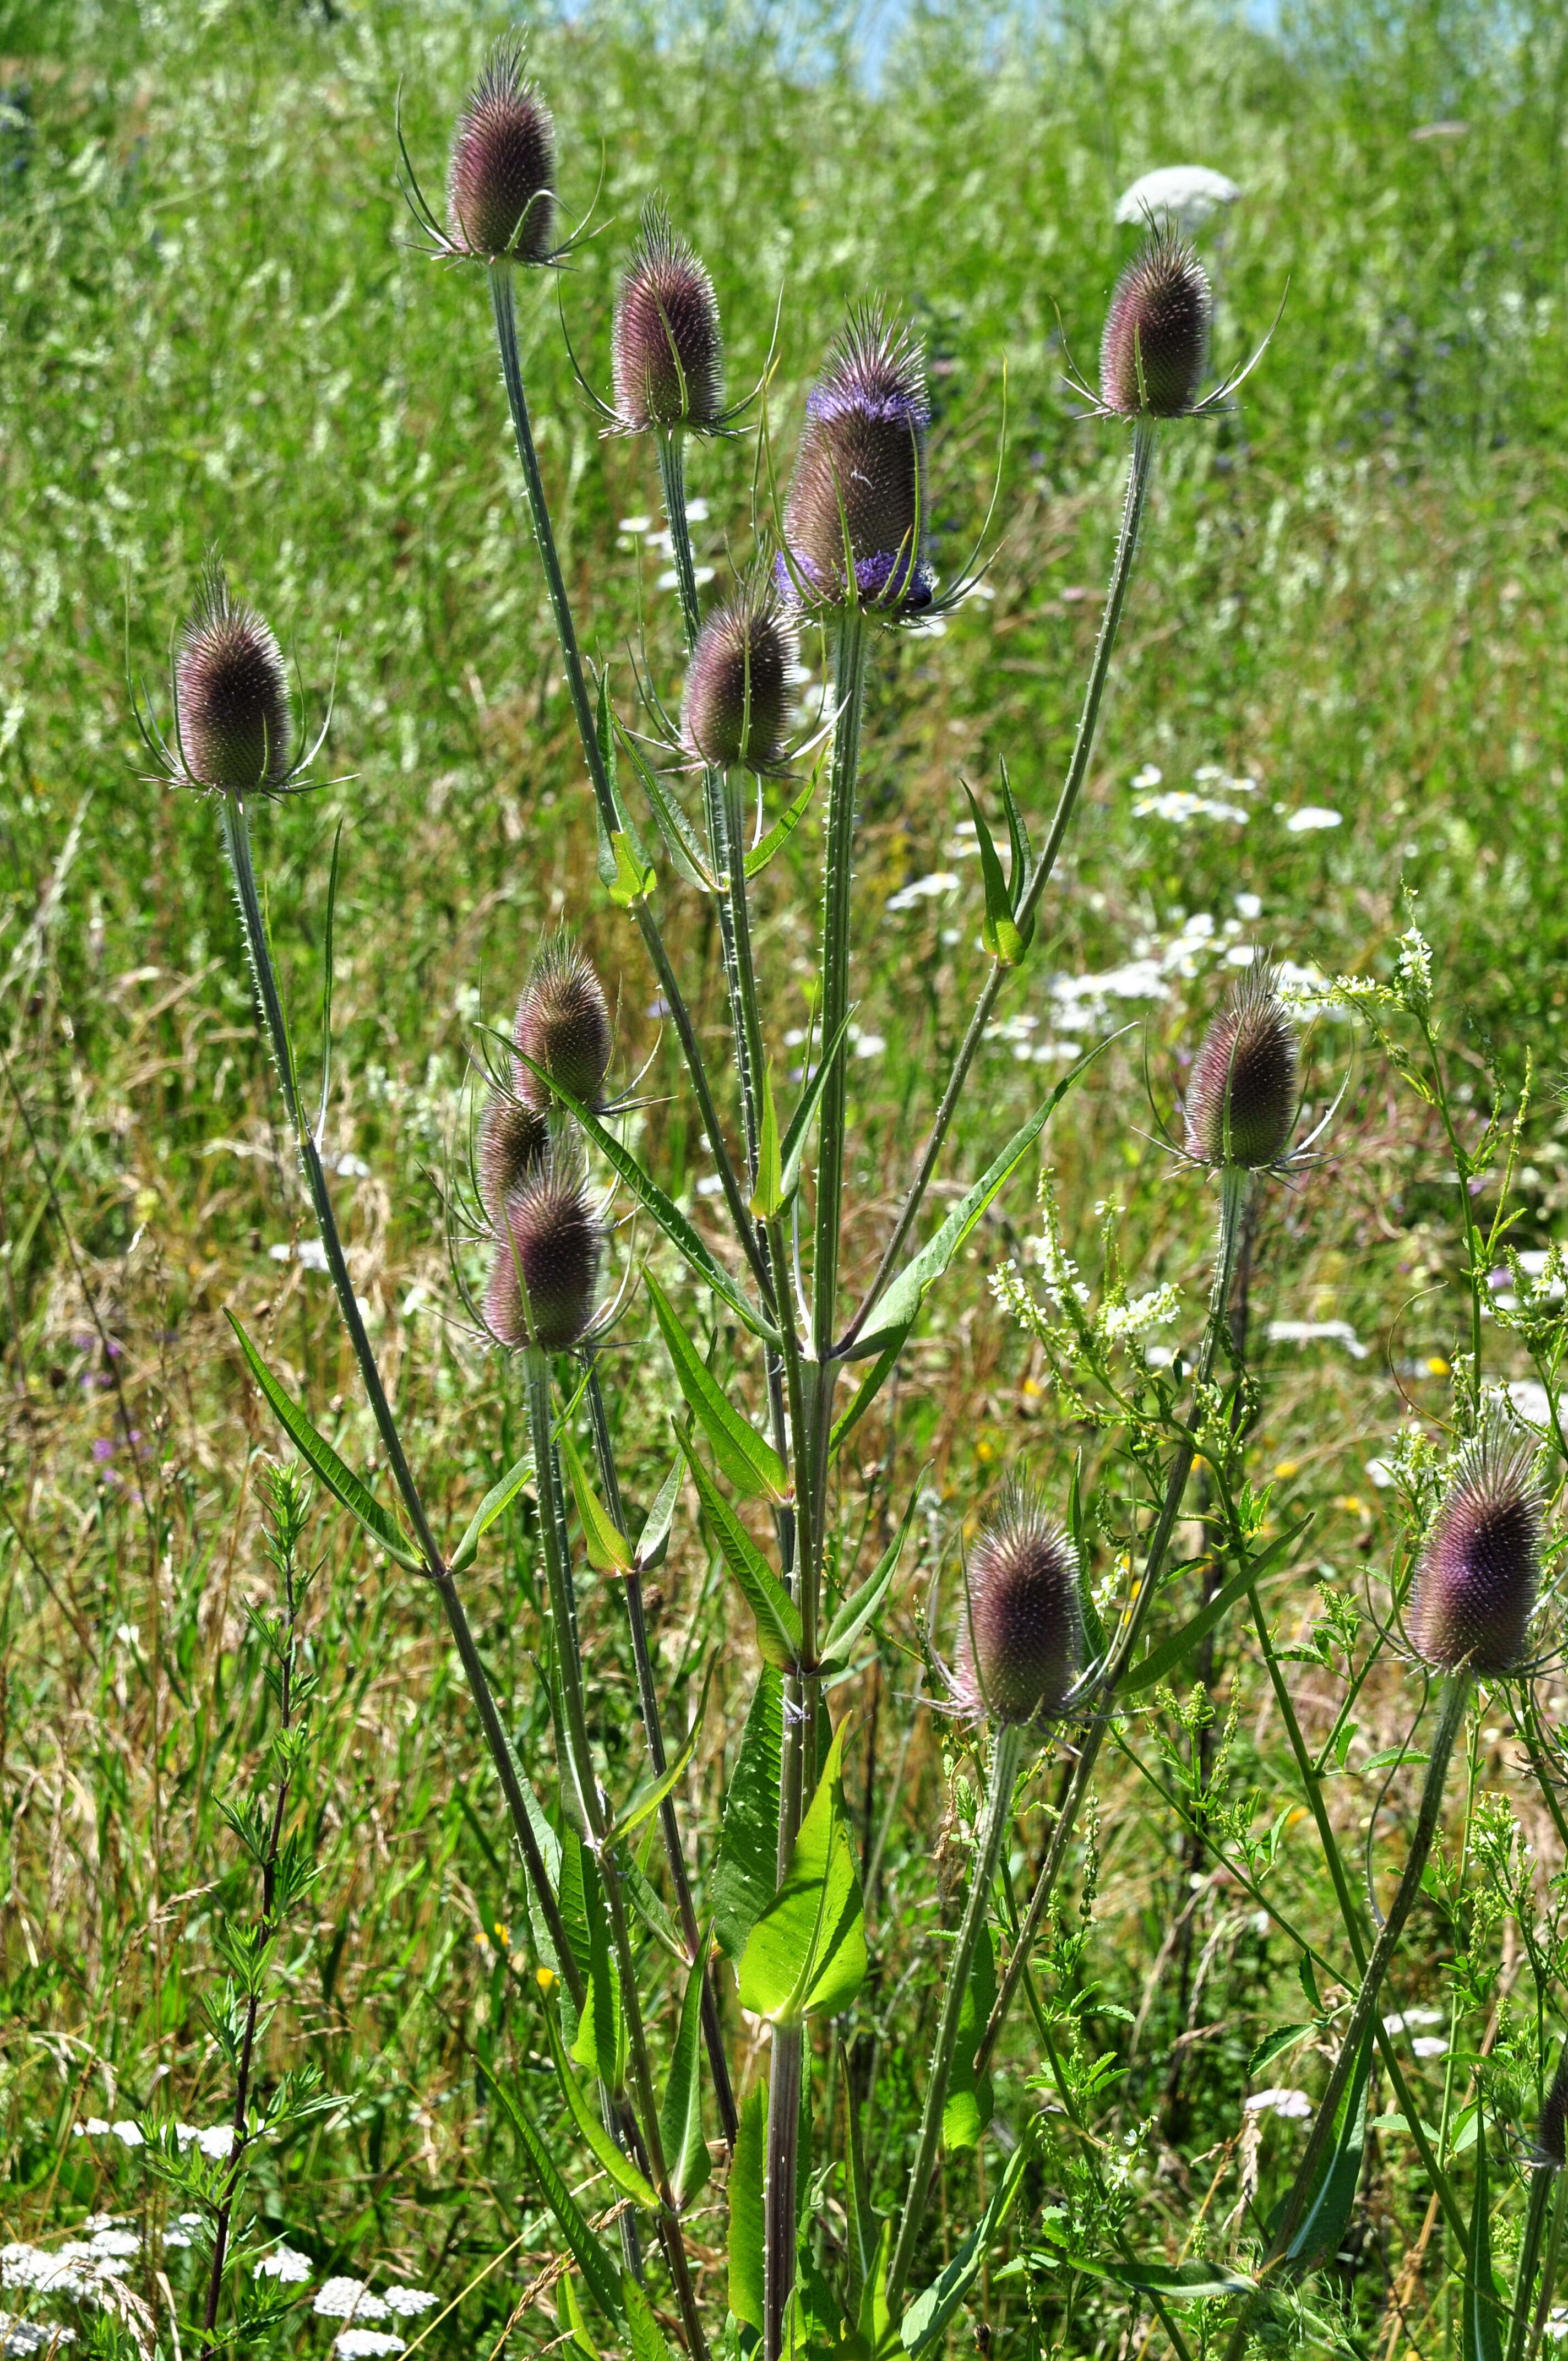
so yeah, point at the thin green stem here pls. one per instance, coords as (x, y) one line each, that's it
(1004, 1765)
(849, 686)
(1543, 2182)
(1548, 2278)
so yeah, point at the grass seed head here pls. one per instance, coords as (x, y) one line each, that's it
(500, 197)
(1242, 1098)
(859, 490)
(667, 350)
(1020, 1647)
(550, 1243)
(231, 694)
(563, 1024)
(1475, 1584)
(1155, 344)
(737, 688)
(514, 1140)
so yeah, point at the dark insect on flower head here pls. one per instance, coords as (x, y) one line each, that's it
(231, 694)
(563, 1024)
(1476, 1583)
(856, 515)
(1155, 344)
(543, 1280)
(1020, 1647)
(668, 354)
(1242, 1097)
(500, 197)
(734, 709)
(514, 1140)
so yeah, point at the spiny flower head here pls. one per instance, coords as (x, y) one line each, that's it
(500, 182)
(231, 694)
(563, 1024)
(1242, 1098)
(1476, 1579)
(858, 491)
(543, 1280)
(1552, 2134)
(514, 1139)
(667, 351)
(1155, 344)
(1020, 1646)
(734, 713)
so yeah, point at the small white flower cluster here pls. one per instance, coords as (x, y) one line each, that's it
(286, 2265)
(1294, 2106)
(20, 2339)
(1424, 2045)
(78, 2267)
(1180, 804)
(1314, 1331)
(1120, 1320)
(923, 889)
(216, 2140)
(351, 2300)
(1310, 818)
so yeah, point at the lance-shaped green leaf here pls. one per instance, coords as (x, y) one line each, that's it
(634, 878)
(767, 1198)
(746, 1457)
(1022, 853)
(745, 1871)
(654, 1539)
(585, 2115)
(776, 1616)
(680, 2115)
(1327, 2209)
(807, 1954)
(1161, 1662)
(1177, 2282)
(929, 2315)
(783, 829)
(572, 2313)
(902, 1298)
(652, 1910)
(621, 855)
(652, 1791)
(600, 2275)
(497, 1498)
(871, 1385)
(601, 2043)
(858, 1609)
(801, 1121)
(1093, 1630)
(663, 1209)
(1484, 2301)
(645, 2340)
(969, 2096)
(609, 1550)
(672, 823)
(747, 2248)
(998, 933)
(340, 1479)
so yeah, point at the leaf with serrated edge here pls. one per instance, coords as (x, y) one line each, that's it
(746, 2240)
(680, 2116)
(339, 1478)
(807, 1954)
(776, 1616)
(745, 1869)
(746, 1457)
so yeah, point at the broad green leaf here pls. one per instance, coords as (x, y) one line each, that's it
(858, 1609)
(746, 1870)
(601, 2043)
(807, 1954)
(339, 1478)
(969, 2096)
(1484, 2303)
(998, 933)
(680, 2116)
(1161, 1662)
(654, 1538)
(609, 1550)
(572, 2314)
(600, 2275)
(746, 1457)
(783, 829)
(647, 1797)
(585, 2115)
(1327, 2210)
(634, 878)
(929, 2313)
(767, 1197)
(645, 2339)
(801, 1121)
(665, 1212)
(775, 1611)
(747, 2249)
(489, 1509)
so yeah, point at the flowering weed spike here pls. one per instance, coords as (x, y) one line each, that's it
(563, 1024)
(1020, 1647)
(1155, 345)
(666, 346)
(1242, 1100)
(1475, 1584)
(500, 199)
(734, 710)
(546, 1273)
(231, 696)
(856, 514)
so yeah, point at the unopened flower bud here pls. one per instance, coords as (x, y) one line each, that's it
(1020, 1646)
(231, 694)
(514, 1140)
(542, 1283)
(563, 1024)
(500, 196)
(1155, 344)
(1476, 1583)
(857, 504)
(668, 354)
(734, 713)
(1242, 1098)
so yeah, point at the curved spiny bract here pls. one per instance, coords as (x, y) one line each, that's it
(231, 694)
(500, 201)
(857, 504)
(667, 351)
(1243, 1096)
(563, 1024)
(1480, 1567)
(544, 1278)
(733, 712)
(1020, 1646)
(1154, 347)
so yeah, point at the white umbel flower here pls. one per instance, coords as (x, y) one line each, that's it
(1186, 195)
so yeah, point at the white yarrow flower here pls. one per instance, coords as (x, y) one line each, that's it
(1311, 816)
(406, 2303)
(365, 2344)
(1293, 2105)
(1184, 195)
(287, 2264)
(347, 2299)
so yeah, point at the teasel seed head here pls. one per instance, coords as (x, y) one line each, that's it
(549, 1243)
(1475, 1582)
(1242, 1097)
(667, 348)
(231, 694)
(1552, 2134)
(733, 712)
(1020, 1644)
(1155, 344)
(500, 196)
(859, 476)
(514, 1140)
(563, 1024)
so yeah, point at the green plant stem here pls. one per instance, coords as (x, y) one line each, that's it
(1232, 1199)
(1543, 2182)
(1138, 478)
(779, 2227)
(236, 842)
(849, 687)
(648, 1697)
(1004, 1765)
(1453, 1702)
(1548, 2278)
